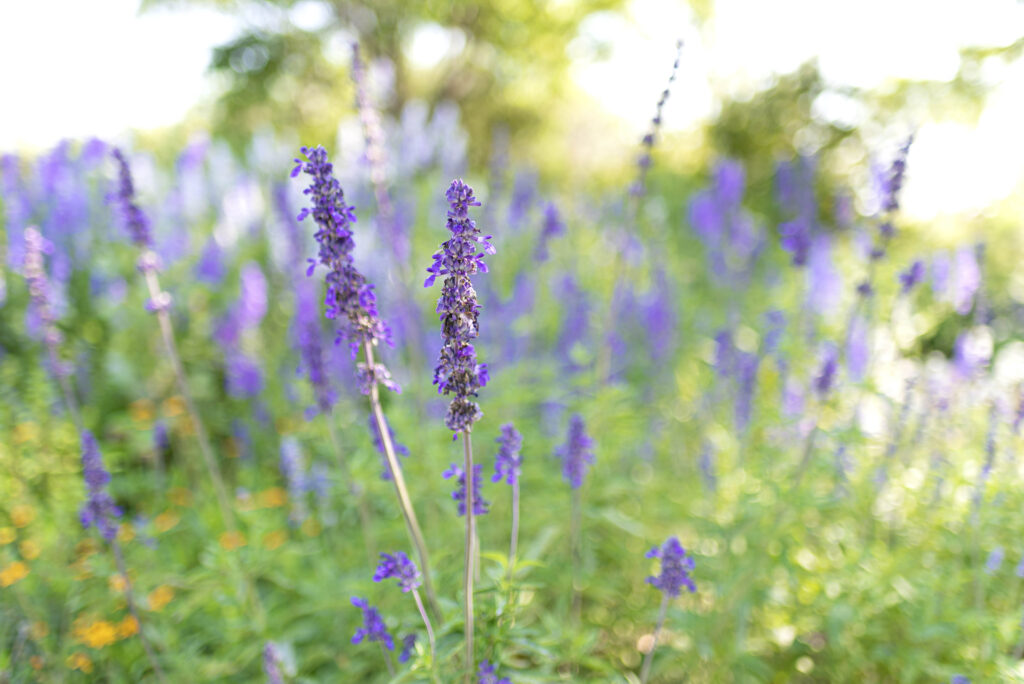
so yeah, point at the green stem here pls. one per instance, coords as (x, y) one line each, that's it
(649, 658)
(467, 578)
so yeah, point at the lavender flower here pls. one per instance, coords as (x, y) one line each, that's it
(293, 469)
(959, 679)
(824, 282)
(746, 377)
(508, 463)
(373, 628)
(1019, 570)
(210, 268)
(858, 348)
(966, 279)
(486, 675)
(408, 644)
(457, 371)
(995, 559)
(480, 505)
(676, 567)
(796, 239)
(639, 188)
(576, 453)
(350, 299)
(553, 227)
(378, 444)
(99, 509)
(893, 183)
(401, 568)
(34, 268)
(134, 219)
(827, 372)
(272, 663)
(912, 276)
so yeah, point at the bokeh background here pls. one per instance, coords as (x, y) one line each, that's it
(848, 530)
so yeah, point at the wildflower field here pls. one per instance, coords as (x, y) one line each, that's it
(362, 411)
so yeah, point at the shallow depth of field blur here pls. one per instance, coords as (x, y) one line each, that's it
(819, 394)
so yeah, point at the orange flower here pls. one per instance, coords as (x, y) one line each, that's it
(36, 662)
(127, 627)
(7, 535)
(79, 661)
(117, 583)
(174, 406)
(29, 549)
(160, 597)
(230, 541)
(14, 572)
(142, 410)
(22, 515)
(166, 521)
(273, 497)
(272, 540)
(96, 634)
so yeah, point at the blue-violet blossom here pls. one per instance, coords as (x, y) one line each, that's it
(676, 567)
(373, 628)
(576, 453)
(401, 568)
(480, 505)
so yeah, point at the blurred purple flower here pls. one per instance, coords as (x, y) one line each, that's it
(373, 628)
(486, 675)
(824, 282)
(826, 377)
(480, 505)
(408, 644)
(123, 198)
(243, 376)
(401, 568)
(966, 279)
(508, 462)
(272, 663)
(676, 567)
(210, 268)
(912, 276)
(99, 509)
(553, 226)
(995, 560)
(576, 454)
(858, 349)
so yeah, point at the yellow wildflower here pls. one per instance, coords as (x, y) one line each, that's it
(272, 540)
(310, 527)
(7, 535)
(96, 634)
(125, 532)
(39, 630)
(127, 627)
(174, 406)
(22, 515)
(230, 541)
(29, 549)
(117, 583)
(166, 521)
(273, 497)
(180, 496)
(79, 661)
(142, 410)
(14, 572)
(25, 432)
(160, 597)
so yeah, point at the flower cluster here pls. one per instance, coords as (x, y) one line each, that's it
(350, 299)
(480, 505)
(676, 567)
(401, 568)
(135, 221)
(272, 663)
(486, 675)
(34, 268)
(408, 644)
(99, 509)
(457, 371)
(373, 628)
(827, 372)
(912, 276)
(576, 453)
(508, 463)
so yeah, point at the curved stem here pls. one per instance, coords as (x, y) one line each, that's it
(467, 577)
(646, 670)
(426, 623)
(404, 503)
(130, 598)
(357, 492)
(167, 331)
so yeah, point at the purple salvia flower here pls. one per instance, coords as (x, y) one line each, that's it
(940, 272)
(508, 462)
(676, 567)
(995, 560)
(775, 326)
(486, 675)
(480, 505)
(826, 377)
(401, 568)
(252, 302)
(894, 180)
(959, 679)
(135, 221)
(293, 469)
(746, 377)
(972, 351)
(553, 226)
(912, 276)
(521, 202)
(706, 462)
(408, 644)
(639, 188)
(824, 282)
(210, 268)
(373, 628)
(99, 509)
(34, 269)
(272, 663)
(243, 377)
(858, 349)
(311, 353)
(378, 444)
(966, 279)
(576, 453)
(350, 300)
(796, 239)
(725, 354)
(457, 371)
(161, 440)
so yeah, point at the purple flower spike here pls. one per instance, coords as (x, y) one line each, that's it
(373, 628)
(272, 663)
(676, 567)
(457, 371)
(827, 372)
(508, 463)
(34, 268)
(912, 276)
(486, 675)
(350, 299)
(401, 568)
(894, 181)
(408, 644)
(99, 510)
(480, 505)
(124, 198)
(576, 453)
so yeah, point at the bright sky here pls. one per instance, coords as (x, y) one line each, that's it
(104, 69)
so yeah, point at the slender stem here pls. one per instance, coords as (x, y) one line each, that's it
(426, 623)
(467, 577)
(387, 659)
(577, 555)
(357, 492)
(129, 595)
(65, 387)
(514, 543)
(649, 658)
(405, 504)
(167, 331)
